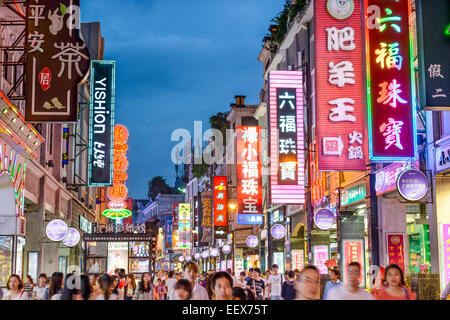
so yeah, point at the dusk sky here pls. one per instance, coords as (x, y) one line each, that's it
(178, 61)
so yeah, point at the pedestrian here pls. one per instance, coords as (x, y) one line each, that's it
(307, 286)
(191, 272)
(445, 295)
(288, 290)
(85, 290)
(28, 287)
(94, 282)
(116, 292)
(237, 293)
(161, 290)
(182, 290)
(275, 283)
(266, 280)
(15, 287)
(130, 287)
(240, 282)
(250, 275)
(297, 274)
(145, 290)
(395, 286)
(335, 276)
(171, 282)
(352, 290)
(221, 285)
(122, 279)
(104, 288)
(256, 284)
(56, 282)
(41, 290)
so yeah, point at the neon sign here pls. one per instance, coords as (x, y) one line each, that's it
(287, 181)
(184, 226)
(249, 179)
(340, 125)
(390, 86)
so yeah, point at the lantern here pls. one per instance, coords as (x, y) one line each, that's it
(120, 162)
(120, 133)
(118, 192)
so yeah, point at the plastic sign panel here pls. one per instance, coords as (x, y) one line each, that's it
(298, 258)
(320, 257)
(249, 178)
(412, 185)
(57, 60)
(353, 252)
(353, 194)
(433, 20)
(184, 226)
(324, 219)
(56, 230)
(101, 124)
(287, 179)
(220, 207)
(396, 250)
(339, 78)
(390, 89)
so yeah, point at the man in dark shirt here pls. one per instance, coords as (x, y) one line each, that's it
(288, 290)
(256, 285)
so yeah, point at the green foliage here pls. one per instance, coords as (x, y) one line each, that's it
(220, 122)
(158, 185)
(284, 18)
(199, 170)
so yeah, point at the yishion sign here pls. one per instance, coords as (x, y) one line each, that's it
(390, 89)
(287, 181)
(101, 123)
(339, 78)
(57, 60)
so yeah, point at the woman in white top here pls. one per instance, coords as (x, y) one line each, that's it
(15, 287)
(56, 284)
(104, 290)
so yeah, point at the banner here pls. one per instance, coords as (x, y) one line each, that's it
(206, 217)
(220, 208)
(353, 251)
(390, 89)
(339, 92)
(396, 250)
(57, 61)
(287, 177)
(101, 124)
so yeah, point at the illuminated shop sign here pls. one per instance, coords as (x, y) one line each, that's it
(287, 180)
(320, 258)
(396, 250)
(220, 207)
(101, 123)
(353, 252)
(339, 78)
(390, 89)
(249, 179)
(353, 194)
(442, 159)
(184, 226)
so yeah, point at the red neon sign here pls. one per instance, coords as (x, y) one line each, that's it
(339, 89)
(353, 252)
(220, 201)
(249, 178)
(390, 89)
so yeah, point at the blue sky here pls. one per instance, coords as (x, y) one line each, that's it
(178, 61)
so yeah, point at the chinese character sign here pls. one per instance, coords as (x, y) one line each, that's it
(205, 223)
(220, 202)
(57, 60)
(249, 179)
(320, 258)
(184, 225)
(297, 259)
(353, 251)
(287, 159)
(396, 252)
(390, 90)
(433, 22)
(339, 104)
(446, 251)
(101, 124)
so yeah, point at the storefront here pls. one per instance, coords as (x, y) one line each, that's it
(298, 240)
(104, 252)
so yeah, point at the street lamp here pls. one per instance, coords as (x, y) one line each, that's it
(232, 205)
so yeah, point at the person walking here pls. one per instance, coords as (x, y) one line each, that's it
(145, 290)
(250, 274)
(256, 285)
(104, 289)
(56, 283)
(171, 282)
(288, 290)
(41, 291)
(191, 272)
(15, 287)
(395, 286)
(130, 287)
(240, 281)
(238, 293)
(352, 290)
(182, 290)
(28, 287)
(221, 286)
(275, 282)
(116, 292)
(334, 282)
(161, 290)
(307, 285)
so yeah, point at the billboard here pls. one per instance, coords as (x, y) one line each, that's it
(249, 178)
(220, 207)
(353, 251)
(339, 92)
(205, 218)
(390, 85)
(433, 20)
(57, 61)
(184, 226)
(101, 124)
(287, 178)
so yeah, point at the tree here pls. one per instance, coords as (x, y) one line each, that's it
(158, 185)
(220, 122)
(284, 18)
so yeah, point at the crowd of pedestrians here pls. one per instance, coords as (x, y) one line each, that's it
(191, 284)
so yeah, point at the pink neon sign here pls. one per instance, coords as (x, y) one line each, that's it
(287, 178)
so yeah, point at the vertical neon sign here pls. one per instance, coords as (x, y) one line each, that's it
(390, 82)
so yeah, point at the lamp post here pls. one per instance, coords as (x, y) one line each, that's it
(232, 206)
